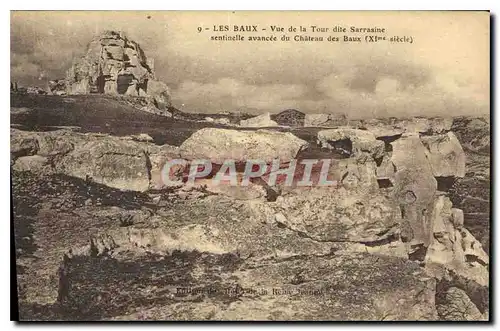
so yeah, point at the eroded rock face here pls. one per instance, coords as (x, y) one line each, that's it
(453, 246)
(338, 215)
(457, 306)
(445, 154)
(113, 162)
(352, 141)
(114, 64)
(122, 163)
(414, 186)
(386, 169)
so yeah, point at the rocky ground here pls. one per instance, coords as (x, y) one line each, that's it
(403, 236)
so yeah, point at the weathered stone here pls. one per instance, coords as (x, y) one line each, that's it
(22, 143)
(223, 121)
(445, 154)
(108, 160)
(218, 145)
(473, 249)
(339, 215)
(413, 171)
(443, 248)
(55, 143)
(357, 175)
(457, 306)
(355, 142)
(260, 121)
(30, 163)
(386, 169)
(142, 137)
(455, 248)
(457, 216)
(414, 186)
(315, 119)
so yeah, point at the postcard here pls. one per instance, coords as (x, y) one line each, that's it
(250, 165)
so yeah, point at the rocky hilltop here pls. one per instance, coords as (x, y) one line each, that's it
(113, 64)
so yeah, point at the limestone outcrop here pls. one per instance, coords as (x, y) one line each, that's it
(445, 154)
(114, 64)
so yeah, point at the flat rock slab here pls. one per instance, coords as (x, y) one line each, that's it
(218, 145)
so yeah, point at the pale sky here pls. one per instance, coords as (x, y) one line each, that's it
(445, 71)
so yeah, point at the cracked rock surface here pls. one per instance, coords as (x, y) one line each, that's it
(97, 239)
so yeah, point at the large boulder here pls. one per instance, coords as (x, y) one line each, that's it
(409, 157)
(440, 125)
(217, 145)
(352, 142)
(260, 121)
(445, 154)
(119, 162)
(453, 246)
(115, 162)
(386, 169)
(414, 186)
(332, 215)
(160, 93)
